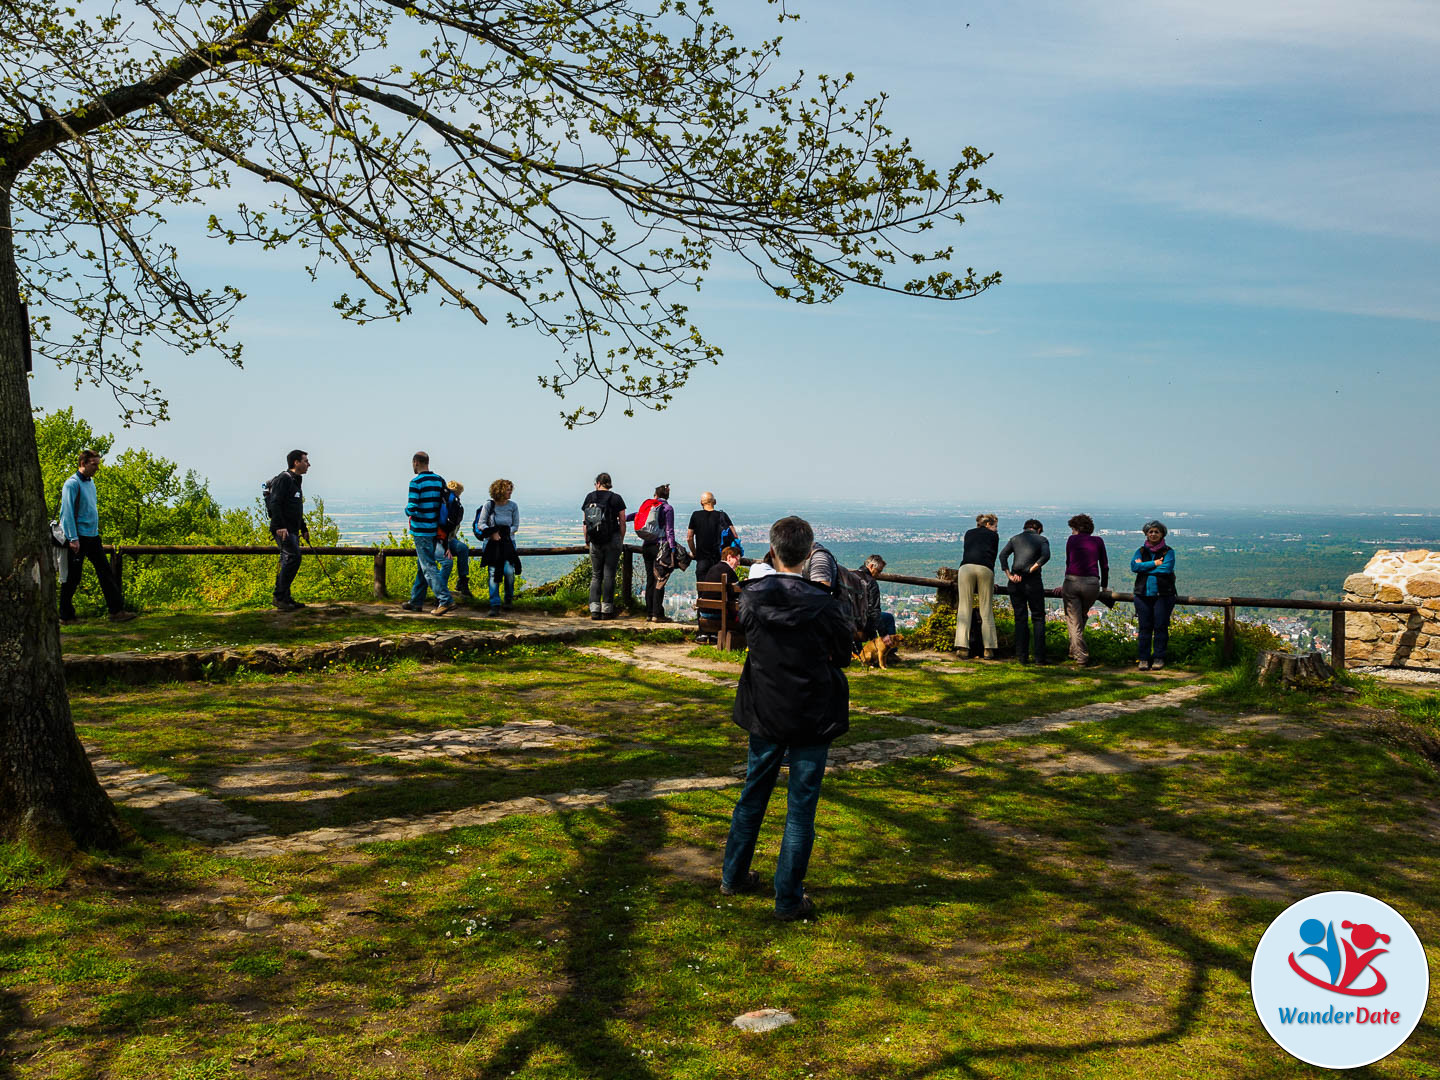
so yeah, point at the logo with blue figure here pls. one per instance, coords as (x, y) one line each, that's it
(1344, 971)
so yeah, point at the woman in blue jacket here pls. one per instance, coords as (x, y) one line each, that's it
(1154, 567)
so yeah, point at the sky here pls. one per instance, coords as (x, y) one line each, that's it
(1220, 242)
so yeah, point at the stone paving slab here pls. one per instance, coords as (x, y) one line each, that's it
(460, 742)
(182, 809)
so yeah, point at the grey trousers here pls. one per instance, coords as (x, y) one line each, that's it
(604, 558)
(1078, 594)
(976, 584)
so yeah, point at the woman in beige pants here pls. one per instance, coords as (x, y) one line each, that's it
(976, 584)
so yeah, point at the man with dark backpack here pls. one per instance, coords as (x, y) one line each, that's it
(451, 526)
(709, 532)
(285, 504)
(603, 513)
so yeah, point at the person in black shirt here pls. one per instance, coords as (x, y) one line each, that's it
(605, 536)
(703, 535)
(976, 584)
(286, 505)
(1030, 551)
(876, 621)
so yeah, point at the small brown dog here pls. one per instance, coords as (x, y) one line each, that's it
(875, 653)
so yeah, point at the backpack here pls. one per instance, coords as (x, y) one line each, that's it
(267, 495)
(729, 539)
(647, 521)
(850, 591)
(599, 522)
(454, 515)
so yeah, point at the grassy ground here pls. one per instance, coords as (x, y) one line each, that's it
(205, 630)
(1079, 904)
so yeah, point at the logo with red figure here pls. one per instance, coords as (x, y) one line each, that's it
(1342, 976)
(1319, 990)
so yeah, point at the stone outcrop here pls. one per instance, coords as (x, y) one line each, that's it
(1402, 641)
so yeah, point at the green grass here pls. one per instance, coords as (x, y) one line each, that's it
(199, 630)
(1083, 903)
(725, 656)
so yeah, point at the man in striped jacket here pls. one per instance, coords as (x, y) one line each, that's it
(425, 508)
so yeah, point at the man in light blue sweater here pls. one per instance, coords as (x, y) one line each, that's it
(80, 521)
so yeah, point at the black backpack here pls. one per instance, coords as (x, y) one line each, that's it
(850, 590)
(599, 522)
(454, 515)
(267, 494)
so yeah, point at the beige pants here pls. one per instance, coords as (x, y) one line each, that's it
(1078, 594)
(976, 584)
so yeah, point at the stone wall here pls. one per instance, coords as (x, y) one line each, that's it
(1406, 641)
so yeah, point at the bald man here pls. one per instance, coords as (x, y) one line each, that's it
(703, 535)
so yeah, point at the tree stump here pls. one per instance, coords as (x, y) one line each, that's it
(948, 594)
(1293, 669)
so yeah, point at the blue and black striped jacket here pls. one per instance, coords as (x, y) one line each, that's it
(426, 506)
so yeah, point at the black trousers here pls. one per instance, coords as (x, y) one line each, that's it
(289, 565)
(1027, 597)
(89, 549)
(702, 566)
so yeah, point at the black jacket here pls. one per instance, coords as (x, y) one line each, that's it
(872, 603)
(287, 503)
(981, 547)
(792, 689)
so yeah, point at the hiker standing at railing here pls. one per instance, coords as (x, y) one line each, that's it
(423, 508)
(285, 503)
(1087, 572)
(80, 522)
(1030, 550)
(655, 526)
(975, 586)
(1154, 567)
(603, 514)
(495, 526)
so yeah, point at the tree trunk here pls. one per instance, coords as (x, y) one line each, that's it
(1290, 669)
(48, 792)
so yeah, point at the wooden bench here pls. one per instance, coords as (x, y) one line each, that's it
(723, 599)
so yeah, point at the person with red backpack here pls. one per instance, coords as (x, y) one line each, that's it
(655, 526)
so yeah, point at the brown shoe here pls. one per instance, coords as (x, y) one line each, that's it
(121, 616)
(441, 609)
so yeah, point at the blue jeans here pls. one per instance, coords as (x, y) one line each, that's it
(807, 769)
(429, 571)
(885, 624)
(1154, 615)
(495, 585)
(457, 548)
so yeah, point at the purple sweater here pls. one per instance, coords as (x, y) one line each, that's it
(1085, 557)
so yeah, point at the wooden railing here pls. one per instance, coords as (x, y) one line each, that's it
(1227, 604)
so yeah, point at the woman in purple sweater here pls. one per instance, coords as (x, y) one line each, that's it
(1087, 571)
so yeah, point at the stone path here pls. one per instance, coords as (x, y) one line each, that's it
(197, 815)
(182, 809)
(461, 742)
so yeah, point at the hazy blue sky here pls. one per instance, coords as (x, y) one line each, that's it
(1220, 240)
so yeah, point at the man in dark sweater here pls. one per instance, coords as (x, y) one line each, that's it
(793, 700)
(722, 571)
(286, 506)
(1031, 551)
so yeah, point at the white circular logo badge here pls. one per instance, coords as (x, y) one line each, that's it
(1340, 980)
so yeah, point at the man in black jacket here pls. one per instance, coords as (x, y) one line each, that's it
(286, 506)
(793, 700)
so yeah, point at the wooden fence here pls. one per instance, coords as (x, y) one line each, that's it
(945, 590)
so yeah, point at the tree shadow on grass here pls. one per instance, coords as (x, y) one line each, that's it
(12, 1015)
(596, 964)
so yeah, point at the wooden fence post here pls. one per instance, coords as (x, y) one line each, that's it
(1227, 644)
(379, 584)
(1337, 640)
(117, 570)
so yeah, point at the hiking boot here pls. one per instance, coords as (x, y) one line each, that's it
(121, 616)
(607, 615)
(962, 654)
(410, 605)
(1143, 665)
(296, 605)
(991, 654)
(749, 885)
(286, 605)
(462, 588)
(1156, 665)
(662, 619)
(441, 609)
(805, 910)
(596, 616)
